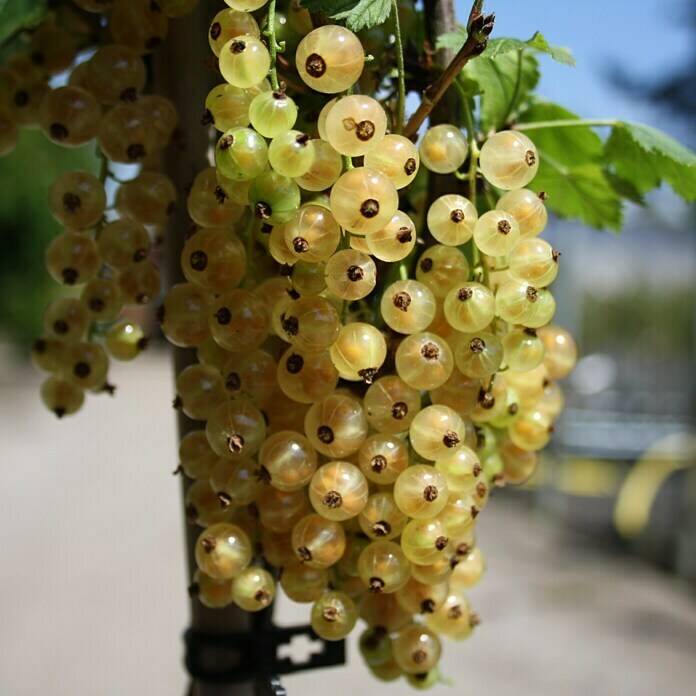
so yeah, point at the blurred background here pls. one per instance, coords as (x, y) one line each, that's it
(591, 566)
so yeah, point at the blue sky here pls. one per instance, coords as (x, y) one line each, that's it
(601, 35)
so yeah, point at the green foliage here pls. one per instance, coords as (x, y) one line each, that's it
(357, 14)
(644, 156)
(499, 47)
(26, 227)
(453, 39)
(571, 169)
(17, 14)
(502, 82)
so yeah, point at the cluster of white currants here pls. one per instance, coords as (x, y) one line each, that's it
(104, 251)
(356, 417)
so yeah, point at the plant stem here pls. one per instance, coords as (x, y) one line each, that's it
(473, 145)
(567, 123)
(476, 41)
(273, 46)
(401, 103)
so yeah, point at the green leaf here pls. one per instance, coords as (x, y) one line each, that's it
(570, 146)
(570, 169)
(453, 39)
(625, 188)
(645, 156)
(357, 14)
(583, 192)
(499, 47)
(19, 14)
(497, 80)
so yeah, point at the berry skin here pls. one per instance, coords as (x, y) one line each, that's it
(302, 583)
(244, 61)
(350, 275)
(223, 551)
(272, 113)
(394, 241)
(125, 340)
(211, 593)
(451, 219)
(336, 426)
(527, 208)
(424, 361)
(338, 491)
(417, 649)
(391, 405)
(522, 303)
(382, 458)
(330, 59)
(228, 24)
(355, 125)
(325, 169)
(184, 315)
(383, 567)
(69, 116)
(66, 319)
(408, 306)
(253, 589)
(291, 153)
(534, 261)
(397, 157)
(561, 351)
(496, 233)
(509, 160)
(364, 200)
(289, 460)
(236, 429)
(61, 397)
(77, 200)
(421, 492)
(437, 431)
(358, 352)
(479, 355)
(72, 258)
(318, 542)
(443, 149)
(469, 307)
(333, 615)
(241, 154)
(440, 268)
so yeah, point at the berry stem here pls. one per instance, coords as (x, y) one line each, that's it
(567, 123)
(401, 102)
(479, 28)
(473, 145)
(249, 232)
(273, 46)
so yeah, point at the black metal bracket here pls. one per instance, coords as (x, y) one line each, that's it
(237, 657)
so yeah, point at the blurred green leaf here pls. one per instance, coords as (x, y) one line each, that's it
(26, 227)
(498, 47)
(18, 14)
(452, 39)
(645, 156)
(571, 146)
(583, 192)
(357, 14)
(503, 82)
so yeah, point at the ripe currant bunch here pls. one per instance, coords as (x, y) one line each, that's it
(371, 362)
(104, 256)
(368, 301)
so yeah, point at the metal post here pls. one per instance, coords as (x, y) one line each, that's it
(179, 73)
